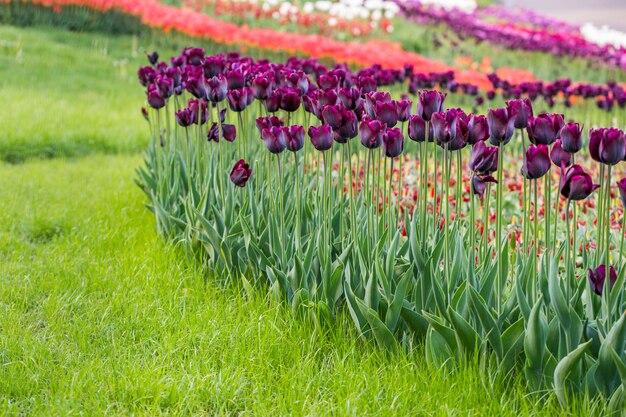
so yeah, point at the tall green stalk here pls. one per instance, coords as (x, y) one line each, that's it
(500, 279)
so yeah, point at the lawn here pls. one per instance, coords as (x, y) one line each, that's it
(101, 316)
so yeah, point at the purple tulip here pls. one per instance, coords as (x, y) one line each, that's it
(621, 186)
(371, 133)
(321, 137)
(262, 87)
(537, 162)
(479, 184)
(521, 110)
(241, 173)
(153, 58)
(267, 122)
(501, 126)
(294, 137)
(559, 156)
(214, 133)
(571, 137)
(484, 159)
(229, 132)
(350, 97)
(193, 56)
(430, 102)
(165, 86)
(217, 87)
(272, 104)
(371, 100)
(607, 145)
(417, 128)
(289, 100)
(235, 80)
(403, 108)
(393, 142)
(155, 100)
(238, 99)
(274, 139)
(331, 115)
(298, 81)
(575, 183)
(597, 278)
(198, 108)
(478, 129)
(197, 87)
(544, 129)
(386, 113)
(349, 127)
(146, 75)
(184, 117)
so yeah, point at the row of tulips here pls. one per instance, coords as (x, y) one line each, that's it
(155, 14)
(470, 25)
(320, 222)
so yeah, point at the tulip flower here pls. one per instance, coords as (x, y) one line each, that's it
(544, 129)
(607, 145)
(155, 100)
(229, 132)
(537, 162)
(235, 80)
(349, 127)
(478, 129)
(597, 278)
(417, 128)
(184, 117)
(430, 102)
(274, 139)
(146, 75)
(501, 126)
(321, 137)
(213, 135)
(393, 142)
(272, 104)
(217, 87)
(262, 87)
(484, 159)
(371, 133)
(238, 99)
(559, 156)
(521, 111)
(331, 115)
(198, 108)
(267, 122)
(153, 58)
(575, 183)
(571, 137)
(241, 173)
(294, 137)
(350, 97)
(403, 109)
(289, 100)
(479, 184)
(387, 113)
(193, 56)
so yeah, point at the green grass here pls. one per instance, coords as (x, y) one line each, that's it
(100, 316)
(69, 94)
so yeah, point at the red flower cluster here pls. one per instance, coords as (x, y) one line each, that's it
(193, 23)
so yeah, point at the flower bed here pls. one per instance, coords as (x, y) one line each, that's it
(255, 169)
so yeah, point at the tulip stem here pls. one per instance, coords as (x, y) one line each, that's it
(352, 208)
(568, 256)
(499, 230)
(607, 226)
(600, 217)
(621, 245)
(485, 244)
(388, 204)
(472, 235)
(459, 184)
(424, 189)
(547, 208)
(282, 210)
(298, 211)
(446, 186)
(535, 253)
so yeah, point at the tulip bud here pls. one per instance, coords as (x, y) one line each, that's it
(478, 129)
(321, 137)
(403, 108)
(559, 156)
(274, 139)
(607, 145)
(241, 173)
(184, 117)
(393, 142)
(545, 128)
(521, 110)
(537, 162)
(217, 87)
(294, 137)
(153, 58)
(417, 128)
(237, 99)
(575, 183)
(501, 126)
(597, 278)
(289, 100)
(371, 133)
(430, 102)
(229, 132)
(571, 137)
(386, 113)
